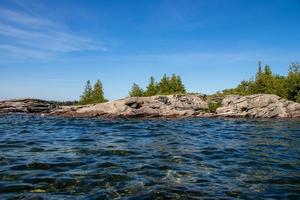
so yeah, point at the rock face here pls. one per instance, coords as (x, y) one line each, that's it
(253, 106)
(25, 106)
(258, 106)
(155, 106)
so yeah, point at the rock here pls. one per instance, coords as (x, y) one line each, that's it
(155, 106)
(253, 106)
(258, 106)
(26, 106)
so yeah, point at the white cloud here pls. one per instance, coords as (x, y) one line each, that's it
(28, 36)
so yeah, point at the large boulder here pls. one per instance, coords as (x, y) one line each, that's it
(155, 106)
(25, 106)
(258, 106)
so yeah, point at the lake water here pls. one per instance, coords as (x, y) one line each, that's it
(64, 158)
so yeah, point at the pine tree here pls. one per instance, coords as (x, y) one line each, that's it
(268, 71)
(180, 88)
(293, 82)
(151, 88)
(173, 84)
(136, 91)
(176, 85)
(279, 86)
(86, 97)
(259, 71)
(164, 85)
(98, 94)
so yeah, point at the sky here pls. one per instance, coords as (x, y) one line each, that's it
(48, 49)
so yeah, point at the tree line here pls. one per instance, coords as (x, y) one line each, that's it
(265, 82)
(268, 83)
(166, 86)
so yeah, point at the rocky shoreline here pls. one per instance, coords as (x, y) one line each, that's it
(253, 106)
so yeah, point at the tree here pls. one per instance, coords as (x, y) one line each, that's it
(278, 86)
(180, 88)
(136, 91)
(269, 83)
(98, 94)
(264, 82)
(293, 82)
(297, 98)
(268, 71)
(164, 85)
(176, 85)
(87, 96)
(152, 87)
(259, 71)
(95, 95)
(244, 88)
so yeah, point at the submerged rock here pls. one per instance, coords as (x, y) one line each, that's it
(258, 106)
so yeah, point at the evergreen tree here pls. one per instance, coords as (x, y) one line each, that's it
(173, 83)
(264, 81)
(164, 85)
(268, 71)
(136, 91)
(279, 86)
(259, 71)
(98, 94)
(87, 96)
(151, 89)
(293, 82)
(244, 88)
(176, 86)
(180, 88)
(259, 84)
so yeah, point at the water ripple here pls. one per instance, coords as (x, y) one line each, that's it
(65, 158)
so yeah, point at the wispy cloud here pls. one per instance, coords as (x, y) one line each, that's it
(31, 36)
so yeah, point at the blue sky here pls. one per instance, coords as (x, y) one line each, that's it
(48, 49)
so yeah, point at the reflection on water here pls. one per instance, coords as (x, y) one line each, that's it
(63, 158)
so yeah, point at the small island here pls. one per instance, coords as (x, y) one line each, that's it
(267, 96)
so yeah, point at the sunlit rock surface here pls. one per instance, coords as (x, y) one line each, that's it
(253, 106)
(258, 106)
(155, 106)
(26, 106)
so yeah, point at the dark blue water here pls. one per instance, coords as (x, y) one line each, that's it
(63, 158)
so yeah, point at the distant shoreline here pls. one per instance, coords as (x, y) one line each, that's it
(164, 106)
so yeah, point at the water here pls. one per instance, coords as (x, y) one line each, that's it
(63, 158)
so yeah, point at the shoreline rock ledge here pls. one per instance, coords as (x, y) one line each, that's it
(154, 106)
(26, 106)
(258, 106)
(253, 106)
